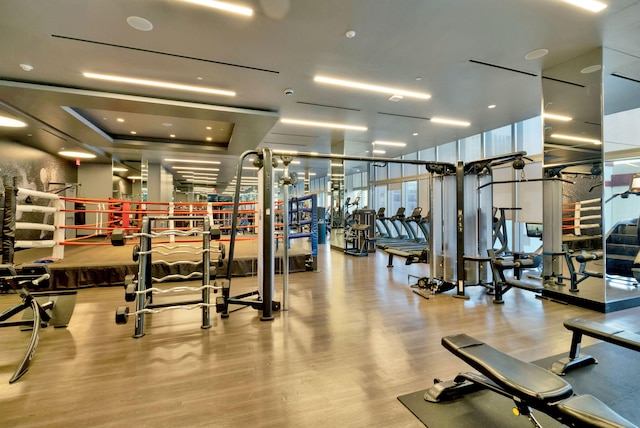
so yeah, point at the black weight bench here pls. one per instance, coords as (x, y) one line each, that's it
(528, 385)
(409, 256)
(608, 333)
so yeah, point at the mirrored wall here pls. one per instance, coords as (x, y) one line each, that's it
(591, 237)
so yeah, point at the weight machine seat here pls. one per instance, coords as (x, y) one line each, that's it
(517, 377)
(533, 385)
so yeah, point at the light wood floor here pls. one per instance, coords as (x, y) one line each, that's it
(354, 339)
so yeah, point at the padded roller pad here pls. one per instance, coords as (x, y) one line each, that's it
(588, 410)
(517, 377)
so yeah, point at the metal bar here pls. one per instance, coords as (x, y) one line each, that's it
(267, 225)
(144, 276)
(206, 275)
(285, 248)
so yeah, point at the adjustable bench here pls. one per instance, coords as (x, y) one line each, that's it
(608, 333)
(528, 385)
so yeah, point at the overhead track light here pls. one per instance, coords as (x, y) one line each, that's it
(11, 123)
(76, 155)
(158, 84)
(323, 124)
(576, 138)
(370, 87)
(590, 5)
(193, 161)
(389, 143)
(559, 117)
(454, 122)
(220, 5)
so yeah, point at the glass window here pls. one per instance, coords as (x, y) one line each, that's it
(357, 180)
(409, 169)
(395, 170)
(498, 142)
(395, 199)
(380, 198)
(410, 195)
(529, 136)
(447, 152)
(380, 173)
(427, 154)
(471, 148)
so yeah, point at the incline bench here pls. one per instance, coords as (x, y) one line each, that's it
(604, 332)
(528, 385)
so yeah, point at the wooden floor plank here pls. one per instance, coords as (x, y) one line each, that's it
(355, 337)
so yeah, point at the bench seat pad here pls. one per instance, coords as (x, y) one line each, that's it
(517, 377)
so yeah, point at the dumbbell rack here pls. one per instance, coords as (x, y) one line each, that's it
(141, 290)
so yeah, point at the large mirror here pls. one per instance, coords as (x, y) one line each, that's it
(573, 226)
(621, 211)
(592, 150)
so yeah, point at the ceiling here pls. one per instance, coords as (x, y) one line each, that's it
(467, 54)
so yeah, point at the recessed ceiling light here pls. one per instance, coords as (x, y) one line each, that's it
(576, 138)
(135, 177)
(158, 84)
(450, 121)
(172, 135)
(11, 123)
(323, 124)
(590, 5)
(491, 106)
(119, 169)
(133, 132)
(199, 78)
(415, 134)
(379, 152)
(77, 155)
(167, 124)
(192, 161)
(227, 7)
(120, 119)
(208, 128)
(418, 78)
(535, 54)
(26, 67)
(194, 168)
(370, 87)
(557, 117)
(591, 69)
(389, 143)
(140, 23)
(396, 98)
(209, 138)
(350, 34)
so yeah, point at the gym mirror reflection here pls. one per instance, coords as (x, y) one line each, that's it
(593, 204)
(573, 265)
(621, 211)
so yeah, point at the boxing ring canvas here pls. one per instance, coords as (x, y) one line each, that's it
(104, 265)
